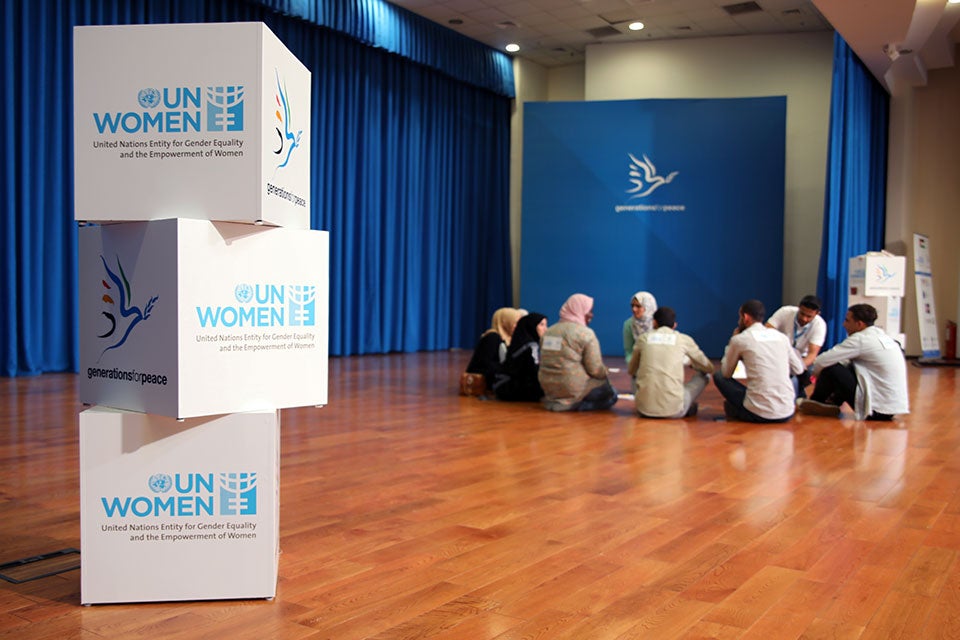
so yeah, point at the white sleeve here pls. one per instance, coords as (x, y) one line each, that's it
(818, 332)
(781, 320)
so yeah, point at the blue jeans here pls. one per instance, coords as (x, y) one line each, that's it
(602, 397)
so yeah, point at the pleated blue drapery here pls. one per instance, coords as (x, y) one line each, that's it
(411, 126)
(855, 200)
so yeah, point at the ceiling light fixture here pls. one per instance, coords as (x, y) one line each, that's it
(512, 48)
(636, 26)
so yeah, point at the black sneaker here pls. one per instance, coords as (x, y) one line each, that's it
(814, 408)
(692, 411)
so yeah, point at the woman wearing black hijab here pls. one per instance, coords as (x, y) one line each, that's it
(516, 379)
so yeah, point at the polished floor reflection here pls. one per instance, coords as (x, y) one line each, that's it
(408, 511)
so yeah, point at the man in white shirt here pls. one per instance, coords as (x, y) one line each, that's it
(769, 394)
(806, 331)
(867, 371)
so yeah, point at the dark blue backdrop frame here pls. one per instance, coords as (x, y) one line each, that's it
(702, 243)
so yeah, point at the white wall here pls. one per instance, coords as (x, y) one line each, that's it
(796, 65)
(923, 192)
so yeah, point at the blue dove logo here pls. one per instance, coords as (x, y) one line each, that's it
(644, 177)
(883, 274)
(130, 315)
(287, 138)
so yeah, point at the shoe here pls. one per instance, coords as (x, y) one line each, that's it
(814, 408)
(692, 411)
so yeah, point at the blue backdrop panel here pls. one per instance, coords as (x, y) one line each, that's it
(682, 198)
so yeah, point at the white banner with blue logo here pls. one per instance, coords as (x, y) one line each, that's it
(926, 308)
(184, 510)
(682, 198)
(186, 318)
(207, 121)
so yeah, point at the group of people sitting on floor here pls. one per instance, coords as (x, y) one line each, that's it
(521, 358)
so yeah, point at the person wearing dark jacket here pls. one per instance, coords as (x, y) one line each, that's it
(516, 380)
(491, 349)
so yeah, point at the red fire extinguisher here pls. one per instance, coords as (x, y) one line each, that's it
(950, 350)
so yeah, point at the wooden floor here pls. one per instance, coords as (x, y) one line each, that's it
(410, 512)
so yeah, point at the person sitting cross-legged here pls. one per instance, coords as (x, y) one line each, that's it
(867, 371)
(657, 364)
(769, 360)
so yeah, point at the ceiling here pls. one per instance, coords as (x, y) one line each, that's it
(899, 40)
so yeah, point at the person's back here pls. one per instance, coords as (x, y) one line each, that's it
(769, 360)
(658, 360)
(766, 355)
(572, 373)
(570, 364)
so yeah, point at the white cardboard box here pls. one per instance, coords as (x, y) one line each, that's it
(877, 274)
(178, 510)
(888, 312)
(205, 121)
(186, 318)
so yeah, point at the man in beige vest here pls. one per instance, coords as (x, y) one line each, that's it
(657, 363)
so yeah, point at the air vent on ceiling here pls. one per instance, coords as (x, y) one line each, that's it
(741, 8)
(506, 24)
(685, 27)
(603, 32)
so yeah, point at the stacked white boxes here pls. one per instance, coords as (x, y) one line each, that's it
(203, 304)
(877, 278)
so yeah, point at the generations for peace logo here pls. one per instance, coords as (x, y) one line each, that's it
(129, 315)
(881, 274)
(264, 305)
(643, 176)
(288, 141)
(178, 110)
(189, 494)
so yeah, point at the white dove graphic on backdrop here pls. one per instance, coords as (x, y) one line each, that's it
(644, 175)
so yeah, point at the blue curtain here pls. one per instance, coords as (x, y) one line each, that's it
(409, 170)
(854, 207)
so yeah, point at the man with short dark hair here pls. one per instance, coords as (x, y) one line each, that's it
(806, 331)
(769, 360)
(867, 371)
(657, 362)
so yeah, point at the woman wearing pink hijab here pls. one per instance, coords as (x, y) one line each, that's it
(572, 372)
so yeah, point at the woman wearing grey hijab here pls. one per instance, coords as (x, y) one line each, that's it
(643, 305)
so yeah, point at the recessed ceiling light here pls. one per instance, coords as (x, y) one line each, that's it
(512, 48)
(636, 26)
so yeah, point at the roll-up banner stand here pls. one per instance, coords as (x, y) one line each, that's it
(926, 309)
